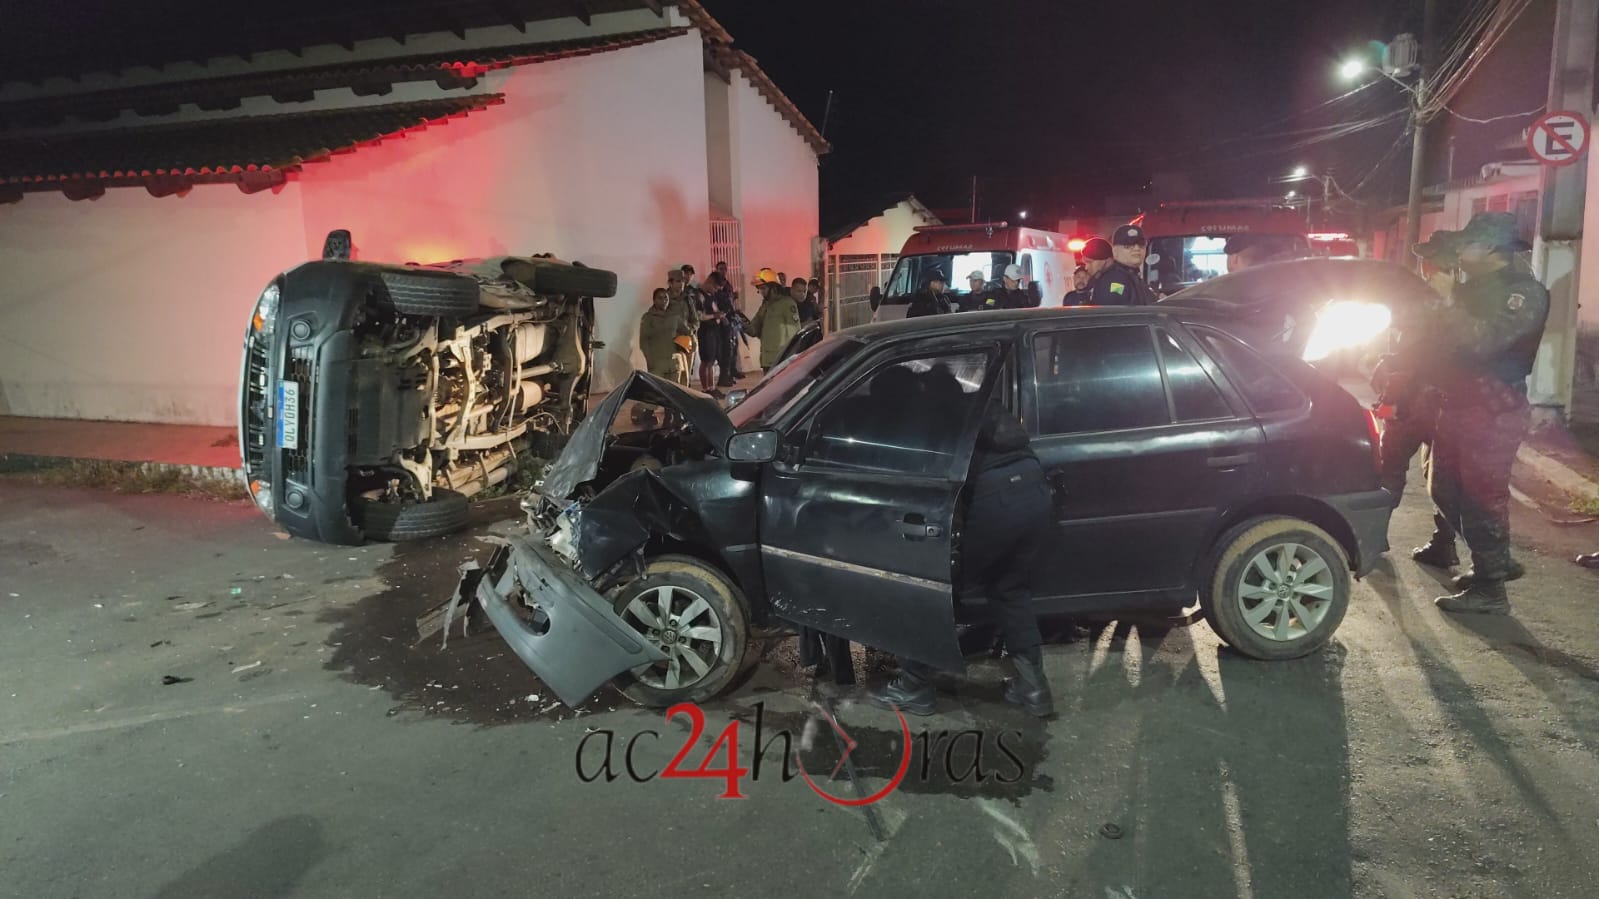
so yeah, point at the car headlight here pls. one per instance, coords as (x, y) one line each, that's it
(266, 310)
(1343, 324)
(261, 492)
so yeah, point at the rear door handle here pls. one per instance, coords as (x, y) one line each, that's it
(915, 527)
(1225, 462)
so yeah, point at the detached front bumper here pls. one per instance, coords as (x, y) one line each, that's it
(570, 637)
(1367, 514)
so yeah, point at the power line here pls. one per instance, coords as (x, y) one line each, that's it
(1497, 118)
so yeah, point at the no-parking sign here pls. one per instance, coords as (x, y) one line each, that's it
(1558, 138)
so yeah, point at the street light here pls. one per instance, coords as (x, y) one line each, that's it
(1024, 215)
(1301, 172)
(1351, 69)
(1292, 194)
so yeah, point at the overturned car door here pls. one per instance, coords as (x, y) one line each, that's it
(857, 516)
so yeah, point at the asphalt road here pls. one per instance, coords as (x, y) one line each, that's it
(312, 749)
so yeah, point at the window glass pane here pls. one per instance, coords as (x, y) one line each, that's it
(907, 418)
(1098, 379)
(1193, 393)
(1264, 388)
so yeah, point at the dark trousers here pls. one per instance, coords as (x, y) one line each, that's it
(1004, 531)
(1470, 478)
(1402, 438)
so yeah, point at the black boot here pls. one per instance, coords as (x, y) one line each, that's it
(911, 691)
(1513, 572)
(1438, 552)
(1483, 598)
(1030, 689)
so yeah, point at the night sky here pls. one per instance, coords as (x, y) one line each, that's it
(1055, 105)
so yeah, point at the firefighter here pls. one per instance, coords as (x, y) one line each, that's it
(931, 299)
(1490, 331)
(682, 301)
(1121, 283)
(778, 319)
(658, 332)
(1007, 525)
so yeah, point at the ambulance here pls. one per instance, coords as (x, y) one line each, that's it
(1046, 259)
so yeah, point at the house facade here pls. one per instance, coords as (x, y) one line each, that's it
(142, 211)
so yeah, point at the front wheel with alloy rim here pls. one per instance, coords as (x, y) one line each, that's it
(1279, 588)
(697, 617)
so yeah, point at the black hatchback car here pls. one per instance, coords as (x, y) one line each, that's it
(1186, 465)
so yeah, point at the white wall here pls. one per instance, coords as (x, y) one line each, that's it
(598, 158)
(886, 233)
(133, 308)
(723, 176)
(776, 182)
(1588, 272)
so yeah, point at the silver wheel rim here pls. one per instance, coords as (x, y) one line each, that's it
(682, 624)
(1285, 592)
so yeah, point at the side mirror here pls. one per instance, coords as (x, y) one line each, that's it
(754, 446)
(734, 397)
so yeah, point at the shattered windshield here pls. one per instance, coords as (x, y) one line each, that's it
(791, 381)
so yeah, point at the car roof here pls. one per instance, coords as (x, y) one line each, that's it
(928, 325)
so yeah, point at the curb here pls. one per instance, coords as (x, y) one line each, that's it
(22, 463)
(1557, 472)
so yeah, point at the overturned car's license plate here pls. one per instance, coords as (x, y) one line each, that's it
(288, 415)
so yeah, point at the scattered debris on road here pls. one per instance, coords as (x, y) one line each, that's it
(170, 679)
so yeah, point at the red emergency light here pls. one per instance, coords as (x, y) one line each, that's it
(1076, 244)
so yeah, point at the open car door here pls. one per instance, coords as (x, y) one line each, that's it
(857, 519)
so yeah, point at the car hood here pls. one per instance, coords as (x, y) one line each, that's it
(1307, 280)
(579, 462)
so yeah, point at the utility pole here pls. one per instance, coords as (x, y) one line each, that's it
(1557, 250)
(1418, 130)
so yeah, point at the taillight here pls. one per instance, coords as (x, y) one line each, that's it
(1376, 439)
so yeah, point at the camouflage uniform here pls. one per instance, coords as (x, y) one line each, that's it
(1413, 405)
(1494, 327)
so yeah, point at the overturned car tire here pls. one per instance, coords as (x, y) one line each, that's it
(698, 617)
(437, 294)
(571, 280)
(445, 513)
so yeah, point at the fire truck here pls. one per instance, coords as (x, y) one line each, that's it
(1188, 241)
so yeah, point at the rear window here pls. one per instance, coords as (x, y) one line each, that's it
(1266, 389)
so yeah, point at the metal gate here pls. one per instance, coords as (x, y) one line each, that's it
(727, 245)
(850, 280)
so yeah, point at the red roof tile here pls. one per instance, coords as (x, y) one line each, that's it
(453, 69)
(232, 149)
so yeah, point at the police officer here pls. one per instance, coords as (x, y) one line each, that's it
(1121, 283)
(1491, 329)
(931, 299)
(1010, 295)
(1097, 259)
(1007, 524)
(1409, 408)
(977, 291)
